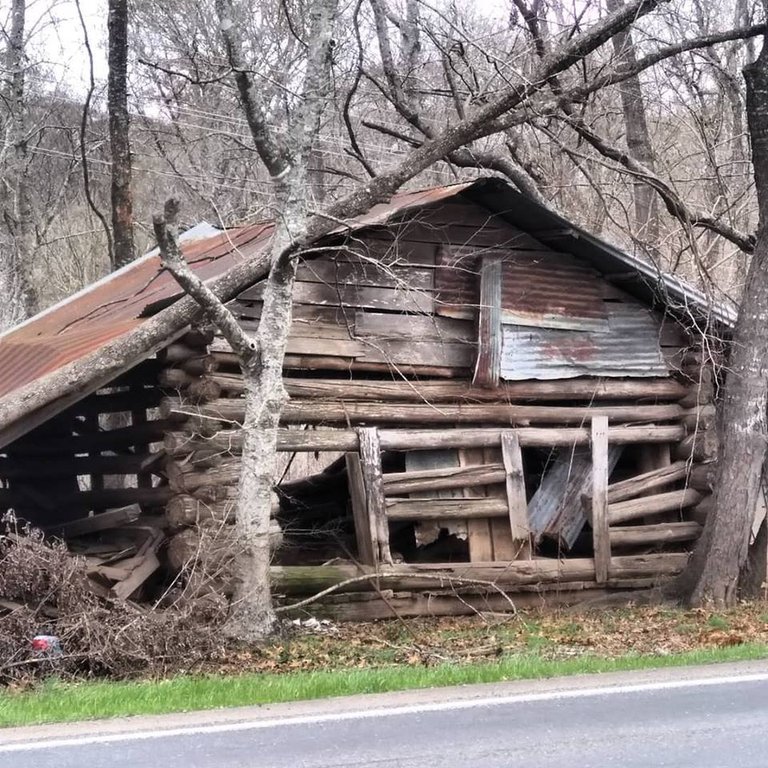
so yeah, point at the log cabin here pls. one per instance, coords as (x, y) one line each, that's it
(489, 407)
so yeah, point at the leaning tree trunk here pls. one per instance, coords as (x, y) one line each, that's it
(119, 123)
(723, 550)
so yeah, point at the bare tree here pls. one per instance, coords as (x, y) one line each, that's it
(119, 124)
(18, 251)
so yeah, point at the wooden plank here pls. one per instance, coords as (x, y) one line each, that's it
(365, 535)
(658, 533)
(442, 479)
(390, 326)
(124, 589)
(428, 531)
(435, 509)
(478, 529)
(600, 539)
(364, 272)
(515, 484)
(370, 462)
(112, 518)
(651, 505)
(648, 481)
(488, 363)
(391, 299)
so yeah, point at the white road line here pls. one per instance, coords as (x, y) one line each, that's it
(408, 709)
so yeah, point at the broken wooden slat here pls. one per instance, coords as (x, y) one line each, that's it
(113, 518)
(651, 505)
(505, 548)
(600, 538)
(124, 589)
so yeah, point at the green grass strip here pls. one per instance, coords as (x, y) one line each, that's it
(65, 702)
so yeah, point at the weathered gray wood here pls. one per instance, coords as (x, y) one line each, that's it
(489, 338)
(700, 446)
(442, 479)
(112, 518)
(86, 500)
(436, 509)
(659, 533)
(600, 539)
(648, 481)
(370, 463)
(313, 412)
(505, 548)
(366, 535)
(177, 443)
(651, 505)
(308, 580)
(515, 486)
(478, 529)
(439, 391)
(31, 469)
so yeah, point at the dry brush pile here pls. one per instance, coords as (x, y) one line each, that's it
(44, 590)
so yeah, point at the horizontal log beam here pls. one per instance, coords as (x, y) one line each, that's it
(446, 509)
(443, 479)
(663, 533)
(310, 440)
(298, 412)
(308, 580)
(588, 390)
(641, 484)
(651, 505)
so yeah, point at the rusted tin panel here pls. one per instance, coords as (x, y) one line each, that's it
(114, 305)
(546, 289)
(629, 348)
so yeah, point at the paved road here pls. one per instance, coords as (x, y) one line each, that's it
(705, 718)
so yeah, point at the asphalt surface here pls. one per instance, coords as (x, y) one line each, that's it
(713, 717)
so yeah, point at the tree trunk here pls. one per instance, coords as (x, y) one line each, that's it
(637, 135)
(714, 572)
(17, 253)
(117, 106)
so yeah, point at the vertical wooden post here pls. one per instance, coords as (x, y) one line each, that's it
(516, 498)
(488, 363)
(600, 536)
(367, 540)
(370, 462)
(139, 416)
(478, 529)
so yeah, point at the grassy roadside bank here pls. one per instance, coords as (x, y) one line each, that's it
(66, 702)
(369, 658)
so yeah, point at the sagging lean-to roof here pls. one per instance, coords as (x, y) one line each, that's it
(120, 303)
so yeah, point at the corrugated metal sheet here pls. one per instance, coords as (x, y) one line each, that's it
(629, 348)
(545, 289)
(115, 305)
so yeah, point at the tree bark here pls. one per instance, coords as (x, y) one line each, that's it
(119, 124)
(723, 550)
(16, 255)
